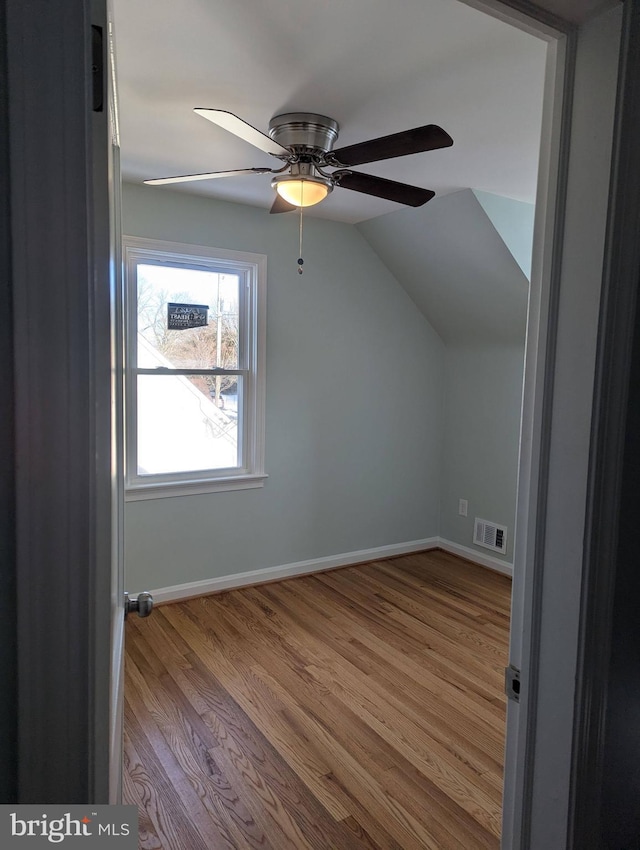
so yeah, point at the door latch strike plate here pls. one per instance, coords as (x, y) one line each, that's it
(512, 683)
(97, 69)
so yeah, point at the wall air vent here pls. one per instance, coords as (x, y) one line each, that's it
(490, 535)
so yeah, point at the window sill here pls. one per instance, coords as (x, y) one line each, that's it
(171, 489)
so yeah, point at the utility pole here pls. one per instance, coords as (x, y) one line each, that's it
(218, 343)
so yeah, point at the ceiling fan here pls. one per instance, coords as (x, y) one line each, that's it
(304, 141)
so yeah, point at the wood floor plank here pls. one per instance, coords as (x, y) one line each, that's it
(376, 796)
(303, 808)
(204, 794)
(388, 709)
(424, 690)
(305, 710)
(471, 583)
(136, 790)
(386, 664)
(238, 672)
(359, 709)
(349, 745)
(459, 623)
(171, 806)
(421, 632)
(427, 648)
(229, 781)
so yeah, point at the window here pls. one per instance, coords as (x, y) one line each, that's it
(194, 368)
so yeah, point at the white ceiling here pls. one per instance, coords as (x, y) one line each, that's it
(375, 66)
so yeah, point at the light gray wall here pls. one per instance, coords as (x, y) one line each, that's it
(353, 405)
(514, 222)
(482, 399)
(455, 263)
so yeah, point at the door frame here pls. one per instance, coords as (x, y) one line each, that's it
(109, 197)
(536, 413)
(62, 342)
(607, 674)
(550, 782)
(535, 428)
(8, 659)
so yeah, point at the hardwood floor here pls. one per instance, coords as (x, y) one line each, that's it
(358, 708)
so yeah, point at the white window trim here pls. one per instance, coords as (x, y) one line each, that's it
(252, 473)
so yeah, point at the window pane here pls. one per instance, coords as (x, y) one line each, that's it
(181, 428)
(214, 344)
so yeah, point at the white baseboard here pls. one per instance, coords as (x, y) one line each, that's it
(315, 565)
(477, 557)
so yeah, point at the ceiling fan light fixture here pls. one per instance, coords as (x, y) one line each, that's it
(302, 191)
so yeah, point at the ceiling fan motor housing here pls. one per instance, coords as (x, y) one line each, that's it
(304, 131)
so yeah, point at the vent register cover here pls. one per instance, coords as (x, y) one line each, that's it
(490, 535)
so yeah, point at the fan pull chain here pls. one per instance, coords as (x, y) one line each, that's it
(300, 260)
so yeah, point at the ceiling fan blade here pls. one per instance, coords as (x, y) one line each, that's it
(427, 138)
(229, 121)
(281, 206)
(402, 193)
(187, 178)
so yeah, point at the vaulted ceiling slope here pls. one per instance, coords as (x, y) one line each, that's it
(455, 266)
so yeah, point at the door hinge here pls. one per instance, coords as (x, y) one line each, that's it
(512, 683)
(97, 69)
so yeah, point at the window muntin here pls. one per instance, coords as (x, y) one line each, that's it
(195, 396)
